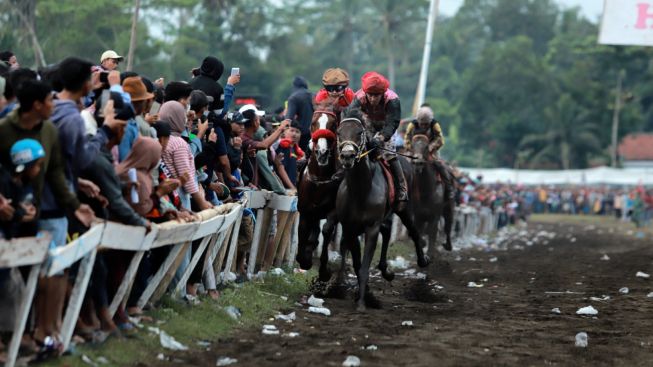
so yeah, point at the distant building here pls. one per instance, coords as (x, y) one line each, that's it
(636, 150)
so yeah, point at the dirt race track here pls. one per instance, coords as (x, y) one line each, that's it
(507, 322)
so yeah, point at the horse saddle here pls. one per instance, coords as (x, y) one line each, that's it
(391, 182)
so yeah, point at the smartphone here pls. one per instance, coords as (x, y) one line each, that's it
(104, 77)
(155, 108)
(235, 71)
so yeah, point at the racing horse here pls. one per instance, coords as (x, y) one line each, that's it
(427, 193)
(364, 204)
(317, 189)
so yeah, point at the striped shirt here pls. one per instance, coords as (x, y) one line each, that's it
(179, 160)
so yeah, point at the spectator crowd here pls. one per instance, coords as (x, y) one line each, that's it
(82, 141)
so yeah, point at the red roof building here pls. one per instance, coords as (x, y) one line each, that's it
(636, 150)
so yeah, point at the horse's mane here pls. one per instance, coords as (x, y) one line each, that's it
(353, 112)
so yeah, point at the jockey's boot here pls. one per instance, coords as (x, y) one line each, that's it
(400, 180)
(450, 201)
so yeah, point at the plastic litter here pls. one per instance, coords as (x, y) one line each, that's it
(102, 360)
(204, 343)
(88, 360)
(228, 277)
(624, 290)
(321, 310)
(287, 318)
(602, 298)
(351, 361)
(277, 271)
(398, 263)
(169, 342)
(587, 311)
(372, 347)
(582, 340)
(407, 323)
(291, 334)
(315, 302)
(494, 259)
(605, 257)
(474, 285)
(233, 312)
(641, 274)
(650, 295)
(556, 311)
(270, 330)
(161, 357)
(225, 361)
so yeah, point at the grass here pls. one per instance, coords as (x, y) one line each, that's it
(257, 300)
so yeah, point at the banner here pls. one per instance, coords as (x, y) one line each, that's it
(627, 22)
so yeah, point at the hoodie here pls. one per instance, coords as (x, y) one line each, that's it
(300, 108)
(78, 150)
(210, 71)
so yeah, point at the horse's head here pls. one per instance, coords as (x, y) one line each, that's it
(351, 139)
(323, 128)
(420, 147)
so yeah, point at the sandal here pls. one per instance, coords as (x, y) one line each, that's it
(50, 347)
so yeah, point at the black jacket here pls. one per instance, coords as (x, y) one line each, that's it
(300, 105)
(210, 71)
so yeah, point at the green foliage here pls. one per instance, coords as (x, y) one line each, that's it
(500, 70)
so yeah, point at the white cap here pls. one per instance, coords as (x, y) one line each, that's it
(110, 54)
(251, 107)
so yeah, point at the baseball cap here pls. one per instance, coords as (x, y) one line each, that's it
(249, 110)
(24, 152)
(110, 54)
(237, 117)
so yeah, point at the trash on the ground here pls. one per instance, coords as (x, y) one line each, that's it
(573, 239)
(474, 285)
(204, 343)
(161, 357)
(582, 339)
(372, 347)
(494, 259)
(166, 340)
(556, 311)
(102, 360)
(351, 361)
(315, 302)
(233, 312)
(603, 298)
(270, 330)
(225, 361)
(641, 274)
(624, 290)
(407, 323)
(287, 318)
(650, 295)
(228, 276)
(321, 310)
(334, 256)
(136, 320)
(398, 263)
(605, 257)
(299, 271)
(277, 271)
(588, 311)
(291, 334)
(88, 360)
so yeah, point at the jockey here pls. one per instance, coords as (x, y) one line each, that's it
(425, 124)
(336, 87)
(382, 111)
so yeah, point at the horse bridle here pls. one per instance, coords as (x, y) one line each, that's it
(358, 148)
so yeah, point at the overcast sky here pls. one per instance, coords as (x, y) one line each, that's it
(591, 8)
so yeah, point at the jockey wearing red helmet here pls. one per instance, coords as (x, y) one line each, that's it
(336, 88)
(382, 111)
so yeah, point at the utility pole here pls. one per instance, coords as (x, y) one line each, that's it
(132, 39)
(615, 118)
(423, 75)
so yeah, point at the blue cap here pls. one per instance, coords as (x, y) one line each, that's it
(24, 152)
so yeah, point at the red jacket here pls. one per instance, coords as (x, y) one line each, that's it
(343, 101)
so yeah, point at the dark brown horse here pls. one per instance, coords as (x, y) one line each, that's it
(363, 203)
(427, 193)
(317, 189)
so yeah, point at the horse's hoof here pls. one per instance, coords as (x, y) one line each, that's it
(424, 262)
(361, 308)
(371, 301)
(447, 245)
(324, 276)
(388, 275)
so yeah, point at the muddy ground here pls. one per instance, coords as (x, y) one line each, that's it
(507, 322)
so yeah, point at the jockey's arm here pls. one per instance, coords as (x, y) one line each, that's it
(438, 138)
(392, 118)
(409, 136)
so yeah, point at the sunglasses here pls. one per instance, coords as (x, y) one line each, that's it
(335, 88)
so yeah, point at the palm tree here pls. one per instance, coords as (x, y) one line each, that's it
(568, 138)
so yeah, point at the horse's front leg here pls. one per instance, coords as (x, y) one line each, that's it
(327, 235)
(406, 218)
(386, 231)
(371, 237)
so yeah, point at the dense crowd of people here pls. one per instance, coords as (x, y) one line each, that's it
(83, 141)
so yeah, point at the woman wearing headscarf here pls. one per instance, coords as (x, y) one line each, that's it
(178, 157)
(144, 157)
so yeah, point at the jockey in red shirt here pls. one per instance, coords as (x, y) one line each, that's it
(336, 88)
(382, 111)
